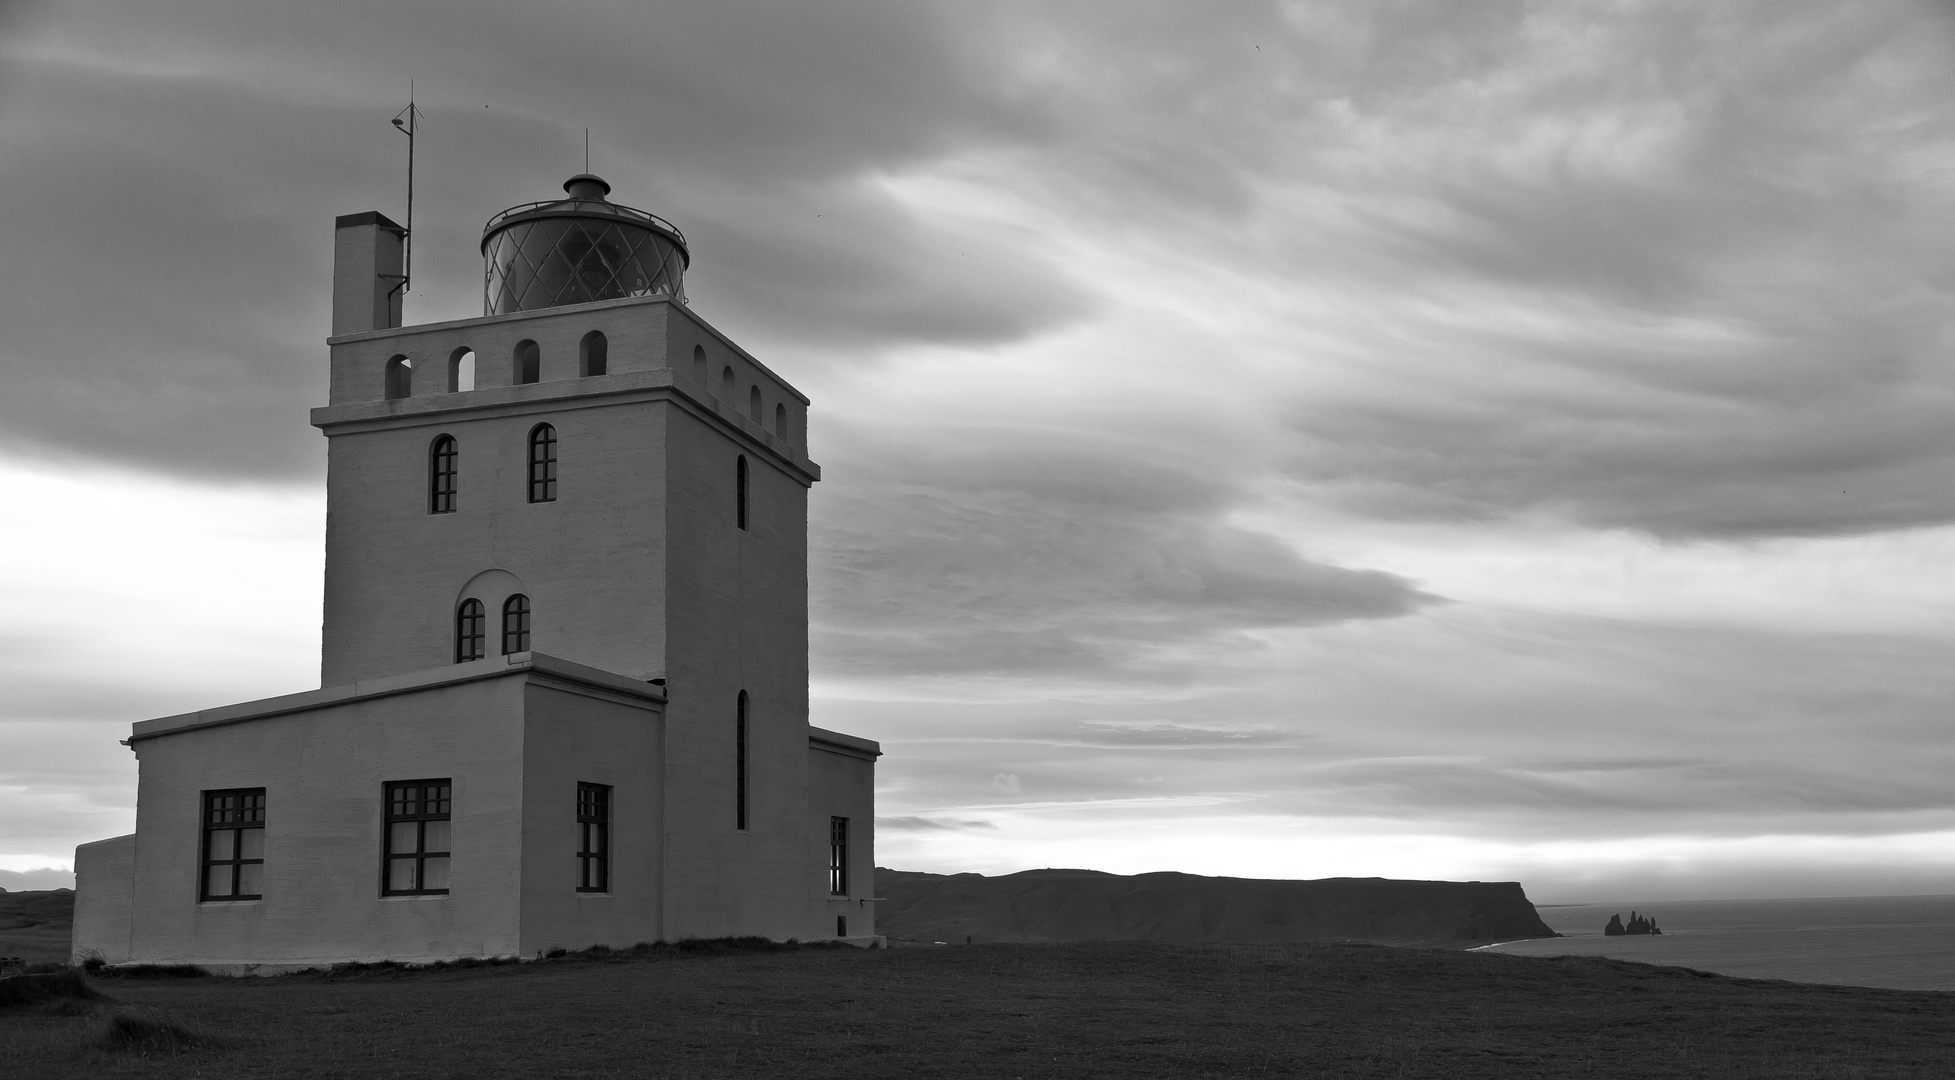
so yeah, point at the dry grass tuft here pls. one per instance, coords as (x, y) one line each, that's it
(148, 1032)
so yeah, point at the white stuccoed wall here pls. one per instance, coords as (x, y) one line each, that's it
(515, 738)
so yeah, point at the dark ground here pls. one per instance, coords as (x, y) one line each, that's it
(1072, 1010)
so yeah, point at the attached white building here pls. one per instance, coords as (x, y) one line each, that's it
(565, 646)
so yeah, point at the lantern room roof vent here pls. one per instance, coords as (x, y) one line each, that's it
(578, 250)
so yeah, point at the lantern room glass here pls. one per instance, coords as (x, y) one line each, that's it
(552, 261)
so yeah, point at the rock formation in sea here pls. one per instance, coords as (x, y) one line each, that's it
(1087, 905)
(1638, 924)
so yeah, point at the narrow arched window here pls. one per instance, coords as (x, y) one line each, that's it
(740, 762)
(400, 377)
(699, 364)
(740, 492)
(592, 354)
(443, 463)
(753, 404)
(543, 464)
(461, 370)
(515, 624)
(726, 387)
(529, 362)
(780, 422)
(471, 631)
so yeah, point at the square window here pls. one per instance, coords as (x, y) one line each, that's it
(417, 838)
(233, 845)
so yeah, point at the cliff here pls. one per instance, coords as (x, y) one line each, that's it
(1086, 905)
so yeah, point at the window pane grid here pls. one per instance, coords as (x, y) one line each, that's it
(838, 856)
(543, 464)
(471, 631)
(515, 624)
(593, 838)
(234, 845)
(443, 460)
(417, 838)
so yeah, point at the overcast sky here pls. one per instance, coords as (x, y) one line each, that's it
(1450, 440)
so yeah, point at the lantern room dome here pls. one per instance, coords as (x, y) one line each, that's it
(579, 249)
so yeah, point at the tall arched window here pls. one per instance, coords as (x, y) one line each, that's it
(461, 370)
(543, 464)
(740, 492)
(780, 422)
(740, 762)
(592, 354)
(471, 631)
(726, 387)
(753, 404)
(699, 364)
(528, 362)
(442, 472)
(515, 624)
(400, 377)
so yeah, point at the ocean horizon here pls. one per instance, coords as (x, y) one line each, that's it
(1893, 942)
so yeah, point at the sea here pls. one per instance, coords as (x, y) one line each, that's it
(1898, 942)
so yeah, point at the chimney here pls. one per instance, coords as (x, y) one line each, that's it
(366, 273)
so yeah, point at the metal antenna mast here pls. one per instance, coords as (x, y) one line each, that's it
(409, 123)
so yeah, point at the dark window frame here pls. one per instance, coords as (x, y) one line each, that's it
(543, 463)
(471, 631)
(838, 856)
(740, 492)
(515, 624)
(593, 838)
(398, 807)
(444, 470)
(236, 811)
(740, 709)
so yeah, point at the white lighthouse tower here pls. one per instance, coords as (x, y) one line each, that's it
(565, 645)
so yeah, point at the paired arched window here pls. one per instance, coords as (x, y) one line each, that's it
(592, 354)
(740, 492)
(740, 762)
(471, 631)
(400, 377)
(543, 464)
(443, 469)
(528, 362)
(515, 624)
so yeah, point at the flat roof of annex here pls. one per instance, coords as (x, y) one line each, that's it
(534, 666)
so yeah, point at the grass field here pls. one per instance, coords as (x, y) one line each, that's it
(1085, 1010)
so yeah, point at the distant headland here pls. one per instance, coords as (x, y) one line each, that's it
(1087, 905)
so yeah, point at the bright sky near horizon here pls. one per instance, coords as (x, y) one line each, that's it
(1494, 441)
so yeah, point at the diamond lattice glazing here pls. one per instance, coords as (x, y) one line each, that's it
(552, 261)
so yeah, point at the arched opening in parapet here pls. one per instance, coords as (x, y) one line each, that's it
(699, 364)
(461, 370)
(592, 354)
(726, 386)
(780, 422)
(753, 404)
(529, 362)
(400, 377)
